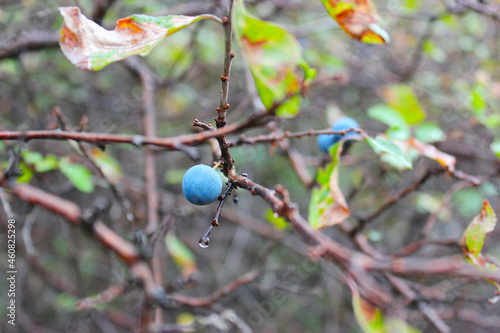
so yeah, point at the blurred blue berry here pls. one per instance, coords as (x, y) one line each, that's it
(343, 124)
(325, 141)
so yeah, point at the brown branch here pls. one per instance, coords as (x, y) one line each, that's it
(71, 212)
(172, 143)
(277, 137)
(363, 221)
(415, 246)
(209, 300)
(100, 9)
(327, 248)
(31, 41)
(403, 287)
(220, 121)
(149, 126)
(104, 297)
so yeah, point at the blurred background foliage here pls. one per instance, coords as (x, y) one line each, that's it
(438, 80)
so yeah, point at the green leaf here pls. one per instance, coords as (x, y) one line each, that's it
(78, 175)
(396, 325)
(368, 316)
(382, 145)
(41, 164)
(32, 157)
(371, 319)
(49, 163)
(387, 115)
(359, 20)
(402, 98)
(66, 302)
(279, 222)
(473, 237)
(274, 57)
(27, 173)
(91, 47)
(478, 99)
(327, 206)
(430, 132)
(398, 127)
(182, 256)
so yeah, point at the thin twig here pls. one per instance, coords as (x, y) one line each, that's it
(277, 137)
(205, 238)
(104, 297)
(87, 154)
(227, 289)
(149, 127)
(220, 120)
(363, 221)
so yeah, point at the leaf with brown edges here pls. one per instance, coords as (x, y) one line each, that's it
(359, 19)
(91, 47)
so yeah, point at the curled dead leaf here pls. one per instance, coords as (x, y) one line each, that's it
(91, 47)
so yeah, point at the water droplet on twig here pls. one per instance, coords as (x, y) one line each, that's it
(204, 242)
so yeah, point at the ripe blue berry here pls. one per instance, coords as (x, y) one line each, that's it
(325, 141)
(201, 185)
(343, 124)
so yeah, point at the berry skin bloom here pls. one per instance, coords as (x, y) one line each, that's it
(201, 185)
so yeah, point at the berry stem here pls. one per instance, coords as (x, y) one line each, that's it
(217, 165)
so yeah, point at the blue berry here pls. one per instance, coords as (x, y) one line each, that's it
(325, 141)
(201, 185)
(343, 124)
